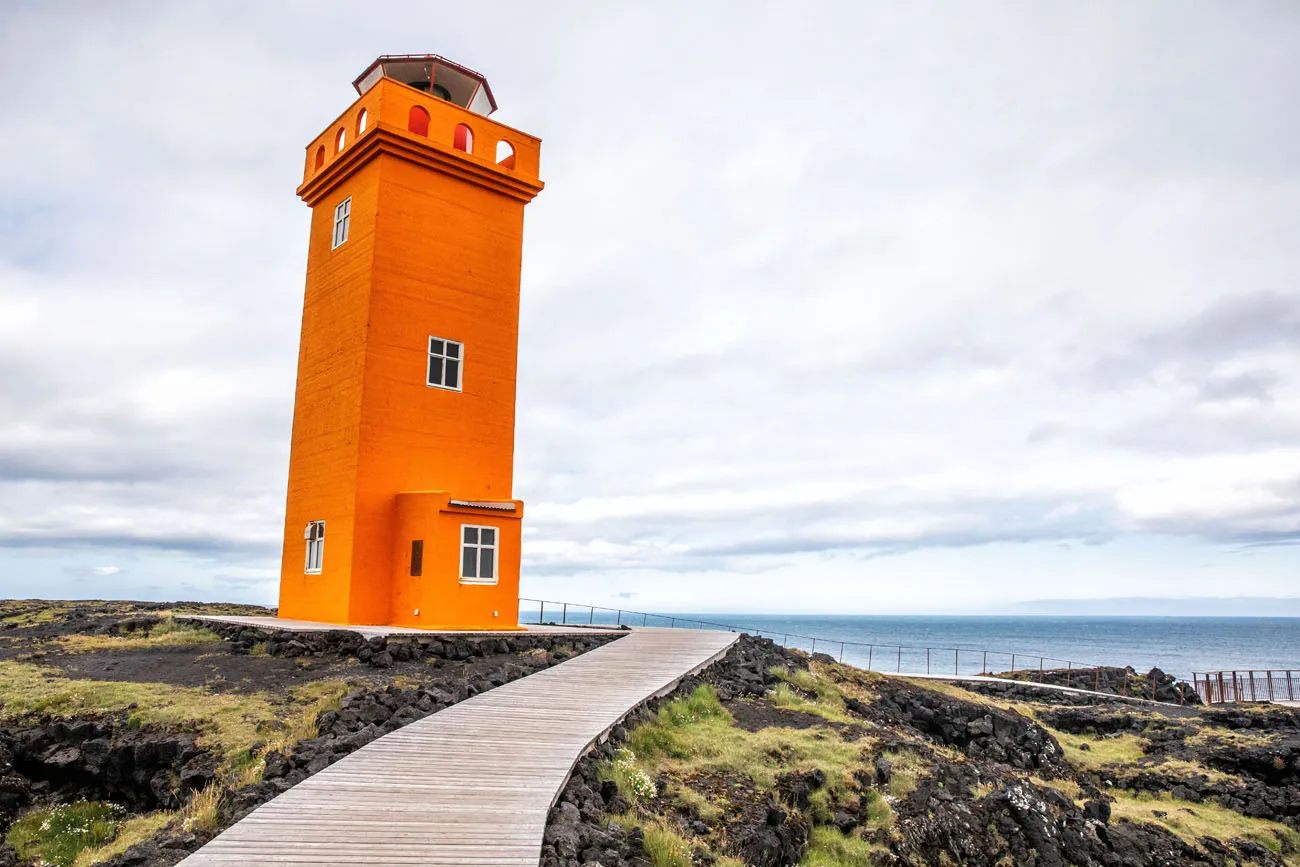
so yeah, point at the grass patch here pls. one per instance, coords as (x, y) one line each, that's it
(907, 769)
(1184, 768)
(693, 802)
(665, 847)
(1068, 787)
(131, 832)
(828, 847)
(797, 683)
(711, 744)
(167, 633)
(227, 723)
(200, 814)
(1100, 752)
(57, 835)
(1190, 821)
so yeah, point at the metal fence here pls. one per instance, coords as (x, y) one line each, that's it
(1217, 687)
(897, 658)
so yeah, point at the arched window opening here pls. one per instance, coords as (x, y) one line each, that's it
(320, 157)
(340, 139)
(418, 121)
(505, 155)
(361, 122)
(463, 140)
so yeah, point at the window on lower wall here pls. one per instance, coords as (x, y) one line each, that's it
(315, 536)
(445, 359)
(417, 558)
(478, 554)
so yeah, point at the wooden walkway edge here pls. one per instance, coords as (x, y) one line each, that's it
(472, 784)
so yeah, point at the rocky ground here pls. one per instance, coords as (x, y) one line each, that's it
(130, 735)
(771, 758)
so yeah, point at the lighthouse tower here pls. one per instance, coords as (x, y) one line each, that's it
(400, 505)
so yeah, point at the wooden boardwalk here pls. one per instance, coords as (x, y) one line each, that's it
(472, 784)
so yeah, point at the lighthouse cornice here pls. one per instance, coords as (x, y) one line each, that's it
(384, 139)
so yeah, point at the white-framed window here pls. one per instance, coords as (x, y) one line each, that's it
(478, 554)
(446, 358)
(342, 219)
(315, 536)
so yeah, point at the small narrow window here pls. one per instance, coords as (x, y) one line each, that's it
(340, 140)
(446, 358)
(417, 558)
(463, 138)
(361, 121)
(315, 536)
(418, 121)
(478, 554)
(342, 219)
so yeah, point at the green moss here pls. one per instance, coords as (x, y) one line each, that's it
(58, 834)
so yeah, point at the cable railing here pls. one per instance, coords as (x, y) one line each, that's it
(872, 656)
(1218, 687)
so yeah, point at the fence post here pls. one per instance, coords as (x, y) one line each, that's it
(985, 668)
(1290, 696)
(841, 651)
(814, 650)
(871, 651)
(1013, 665)
(900, 660)
(1270, 684)
(591, 615)
(541, 612)
(1221, 699)
(620, 618)
(956, 666)
(1041, 677)
(927, 660)
(564, 613)
(1251, 675)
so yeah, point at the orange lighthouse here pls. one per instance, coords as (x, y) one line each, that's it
(400, 506)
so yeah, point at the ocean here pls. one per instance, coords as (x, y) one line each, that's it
(1177, 645)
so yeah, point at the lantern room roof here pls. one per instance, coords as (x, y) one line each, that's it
(433, 74)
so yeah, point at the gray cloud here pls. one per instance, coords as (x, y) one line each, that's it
(870, 283)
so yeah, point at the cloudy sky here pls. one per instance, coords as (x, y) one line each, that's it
(839, 307)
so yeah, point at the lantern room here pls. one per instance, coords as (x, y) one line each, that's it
(435, 75)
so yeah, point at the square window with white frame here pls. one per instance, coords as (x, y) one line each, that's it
(446, 358)
(342, 220)
(315, 536)
(478, 554)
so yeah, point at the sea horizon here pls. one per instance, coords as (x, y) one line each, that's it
(1177, 644)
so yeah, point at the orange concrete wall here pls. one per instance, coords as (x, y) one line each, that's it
(434, 249)
(441, 598)
(327, 403)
